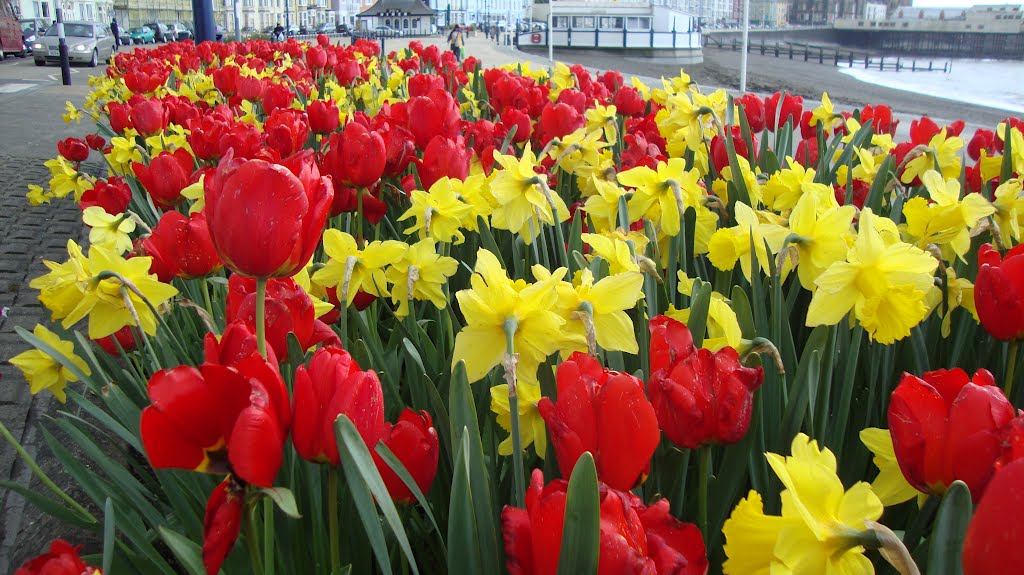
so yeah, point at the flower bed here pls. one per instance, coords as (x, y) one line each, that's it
(348, 311)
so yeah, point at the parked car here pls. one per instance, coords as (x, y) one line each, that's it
(161, 31)
(11, 37)
(386, 32)
(179, 31)
(31, 28)
(142, 35)
(342, 29)
(293, 31)
(88, 43)
(220, 32)
(126, 36)
(324, 28)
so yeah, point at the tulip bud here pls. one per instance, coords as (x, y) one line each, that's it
(999, 292)
(413, 440)
(73, 149)
(323, 116)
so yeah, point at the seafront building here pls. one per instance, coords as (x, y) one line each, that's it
(481, 12)
(92, 10)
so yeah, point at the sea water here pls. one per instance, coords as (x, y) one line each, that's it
(992, 83)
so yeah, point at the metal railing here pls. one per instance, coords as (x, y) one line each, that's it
(598, 38)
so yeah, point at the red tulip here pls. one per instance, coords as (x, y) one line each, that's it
(183, 245)
(629, 102)
(120, 116)
(225, 79)
(149, 117)
(251, 88)
(720, 154)
(443, 157)
(807, 152)
(700, 397)
(995, 538)
(218, 419)
(422, 84)
(791, 109)
(982, 140)
(356, 158)
(574, 99)
(122, 337)
(398, 148)
(277, 96)
(946, 427)
(999, 292)
(323, 116)
(347, 71)
(437, 113)
(95, 142)
(265, 221)
(881, 119)
(606, 413)
(222, 523)
(675, 547)
(316, 57)
(288, 309)
(332, 385)
(286, 131)
(165, 176)
(524, 126)
(237, 342)
(753, 109)
(73, 149)
(61, 559)
(533, 536)
(413, 440)
(112, 194)
(558, 120)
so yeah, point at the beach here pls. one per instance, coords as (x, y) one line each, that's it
(767, 74)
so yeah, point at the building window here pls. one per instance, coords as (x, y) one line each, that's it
(583, 22)
(46, 9)
(415, 22)
(611, 23)
(561, 22)
(638, 23)
(405, 23)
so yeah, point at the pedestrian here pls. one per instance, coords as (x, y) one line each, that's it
(279, 33)
(456, 41)
(116, 31)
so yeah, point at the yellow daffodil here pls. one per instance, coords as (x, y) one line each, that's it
(820, 522)
(66, 179)
(603, 119)
(729, 245)
(687, 115)
(615, 251)
(75, 290)
(819, 240)
(722, 328)
(581, 147)
(531, 424)
(352, 270)
(868, 167)
(959, 294)
(42, 371)
(890, 485)
(663, 195)
(884, 284)
(561, 79)
(475, 192)
(72, 114)
(943, 155)
(122, 153)
(196, 193)
(494, 306)
(37, 196)
(603, 207)
(419, 275)
(785, 187)
(524, 200)
(316, 292)
(750, 182)
(595, 311)
(439, 213)
(825, 115)
(948, 219)
(1009, 206)
(108, 230)
(1017, 145)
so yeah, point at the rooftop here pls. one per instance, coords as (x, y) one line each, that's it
(398, 8)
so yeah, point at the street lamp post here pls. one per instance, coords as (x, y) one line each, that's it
(746, 40)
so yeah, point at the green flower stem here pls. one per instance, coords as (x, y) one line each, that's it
(513, 407)
(251, 541)
(359, 218)
(206, 296)
(261, 304)
(38, 472)
(268, 534)
(702, 483)
(1011, 368)
(332, 518)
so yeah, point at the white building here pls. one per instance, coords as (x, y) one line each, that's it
(88, 10)
(875, 11)
(503, 13)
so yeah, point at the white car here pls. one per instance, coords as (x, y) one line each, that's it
(88, 43)
(386, 32)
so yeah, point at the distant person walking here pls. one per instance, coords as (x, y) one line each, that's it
(456, 41)
(279, 33)
(116, 31)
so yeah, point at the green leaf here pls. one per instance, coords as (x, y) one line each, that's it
(581, 532)
(46, 505)
(366, 484)
(700, 303)
(947, 541)
(804, 385)
(284, 499)
(1006, 170)
(53, 353)
(188, 553)
(396, 465)
(463, 536)
(109, 522)
(463, 415)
